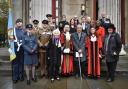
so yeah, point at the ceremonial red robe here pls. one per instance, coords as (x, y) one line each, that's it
(93, 57)
(101, 33)
(67, 63)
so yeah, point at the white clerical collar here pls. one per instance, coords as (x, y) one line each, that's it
(93, 38)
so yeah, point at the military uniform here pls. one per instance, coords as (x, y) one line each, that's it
(35, 27)
(43, 40)
(36, 31)
(18, 63)
(30, 46)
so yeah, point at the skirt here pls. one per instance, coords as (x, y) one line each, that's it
(30, 59)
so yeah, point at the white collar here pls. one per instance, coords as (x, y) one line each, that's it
(93, 38)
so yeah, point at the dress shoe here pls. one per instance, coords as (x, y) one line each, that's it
(15, 81)
(52, 80)
(42, 76)
(84, 76)
(34, 79)
(58, 78)
(21, 79)
(28, 82)
(109, 80)
(76, 76)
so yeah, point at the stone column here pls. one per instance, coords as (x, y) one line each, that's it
(17, 9)
(25, 11)
(126, 22)
(39, 9)
(112, 9)
(72, 8)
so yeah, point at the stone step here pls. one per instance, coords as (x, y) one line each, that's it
(5, 64)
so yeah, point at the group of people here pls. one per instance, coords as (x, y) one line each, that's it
(71, 48)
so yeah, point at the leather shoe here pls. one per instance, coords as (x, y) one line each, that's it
(28, 82)
(109, 80)
(52, 80)
(15, 81)
(58, 78)
(22, 79)
(34, 79)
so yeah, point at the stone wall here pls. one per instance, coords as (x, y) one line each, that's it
(72, 8)
(126, 22)
(17, 9)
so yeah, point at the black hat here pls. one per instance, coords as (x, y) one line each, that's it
(29, 26)
(111, 26)
(44, 22)
(48, 15)
(19, 20)
(35, 21)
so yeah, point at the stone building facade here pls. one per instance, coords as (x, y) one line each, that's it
(37, 9)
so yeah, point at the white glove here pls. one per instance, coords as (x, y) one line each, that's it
(19, 44)
(67, 50)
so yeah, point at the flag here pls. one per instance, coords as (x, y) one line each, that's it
(11, 34)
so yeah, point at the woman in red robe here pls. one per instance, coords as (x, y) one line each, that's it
(67, 51)
(93, 54)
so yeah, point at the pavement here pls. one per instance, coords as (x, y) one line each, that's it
(121, 80)
(66, 83)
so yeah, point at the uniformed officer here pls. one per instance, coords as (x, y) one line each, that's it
(17, 64)
(35, 27)
(30, 46)
(49, 17)
(43, 41)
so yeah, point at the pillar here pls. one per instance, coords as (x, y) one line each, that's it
(17, 9)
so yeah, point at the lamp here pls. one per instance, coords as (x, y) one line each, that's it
(82, 9)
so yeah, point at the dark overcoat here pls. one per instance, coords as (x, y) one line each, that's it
(79, 44)
(114, 45)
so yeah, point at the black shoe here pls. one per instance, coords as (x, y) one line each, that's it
(34, 79)
(109, 80)
(15, 81)
(28, 82)
(21, 79)
(42, 76)
(52, 80)
(58, 78)
(84, 76)
(76, 76)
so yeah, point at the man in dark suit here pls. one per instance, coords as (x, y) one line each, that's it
(85, 25)
(63, 23)
(78, 39)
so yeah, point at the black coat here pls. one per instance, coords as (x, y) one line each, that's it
(114, 45)
(62, 24)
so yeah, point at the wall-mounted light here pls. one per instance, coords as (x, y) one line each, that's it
(82, 9)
